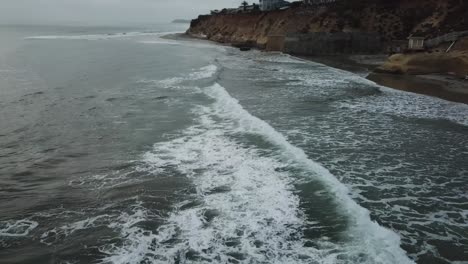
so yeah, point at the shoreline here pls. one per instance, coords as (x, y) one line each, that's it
(436, 85)
(442, 86)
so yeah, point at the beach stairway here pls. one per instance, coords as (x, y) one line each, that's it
(451, 46)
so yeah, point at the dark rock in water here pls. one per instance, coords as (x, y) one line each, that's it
(281, 169)
(34, 94)
(244, 44)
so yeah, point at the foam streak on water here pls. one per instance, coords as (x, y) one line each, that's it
(20, 228)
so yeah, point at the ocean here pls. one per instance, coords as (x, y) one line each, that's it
(118, 145)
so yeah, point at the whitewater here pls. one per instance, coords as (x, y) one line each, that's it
(248, 210)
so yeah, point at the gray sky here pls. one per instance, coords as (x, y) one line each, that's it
(104, 12)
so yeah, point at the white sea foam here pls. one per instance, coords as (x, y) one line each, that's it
(20, 228)
(407, 104)
(161, 42)
(248, 211)
(199, 74)
(279, 58)
(52, 236)
(391, 101)
(188, 43)
(138, 242)
(396, 102)
(107, 180)
(382, 244)
(205, 72)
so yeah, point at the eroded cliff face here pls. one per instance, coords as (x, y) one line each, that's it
(392, 19)
(241, 28)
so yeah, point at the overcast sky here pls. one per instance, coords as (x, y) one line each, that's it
(104, 12)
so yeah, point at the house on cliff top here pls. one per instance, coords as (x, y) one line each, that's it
(416, 42)
(268, 5)
(246, 8)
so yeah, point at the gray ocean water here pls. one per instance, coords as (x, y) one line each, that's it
(119, 146)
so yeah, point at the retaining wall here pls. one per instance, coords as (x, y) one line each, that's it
(322, 43)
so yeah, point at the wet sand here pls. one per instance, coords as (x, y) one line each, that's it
(445, 87)
(438, 85)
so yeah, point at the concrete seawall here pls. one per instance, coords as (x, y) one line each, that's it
(322, 43)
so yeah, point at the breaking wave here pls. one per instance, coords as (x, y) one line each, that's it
(200, 74)
(243, 209)
(381, 243)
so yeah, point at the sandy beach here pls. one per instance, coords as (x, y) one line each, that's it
(443, 86)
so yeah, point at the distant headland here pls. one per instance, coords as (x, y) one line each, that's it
(181, 21)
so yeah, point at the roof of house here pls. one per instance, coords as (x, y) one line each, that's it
(417, 36)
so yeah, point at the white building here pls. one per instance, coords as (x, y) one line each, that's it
(266, 5)
(416, 42)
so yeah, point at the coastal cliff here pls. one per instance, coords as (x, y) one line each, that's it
(356, 27)
(391, 20)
